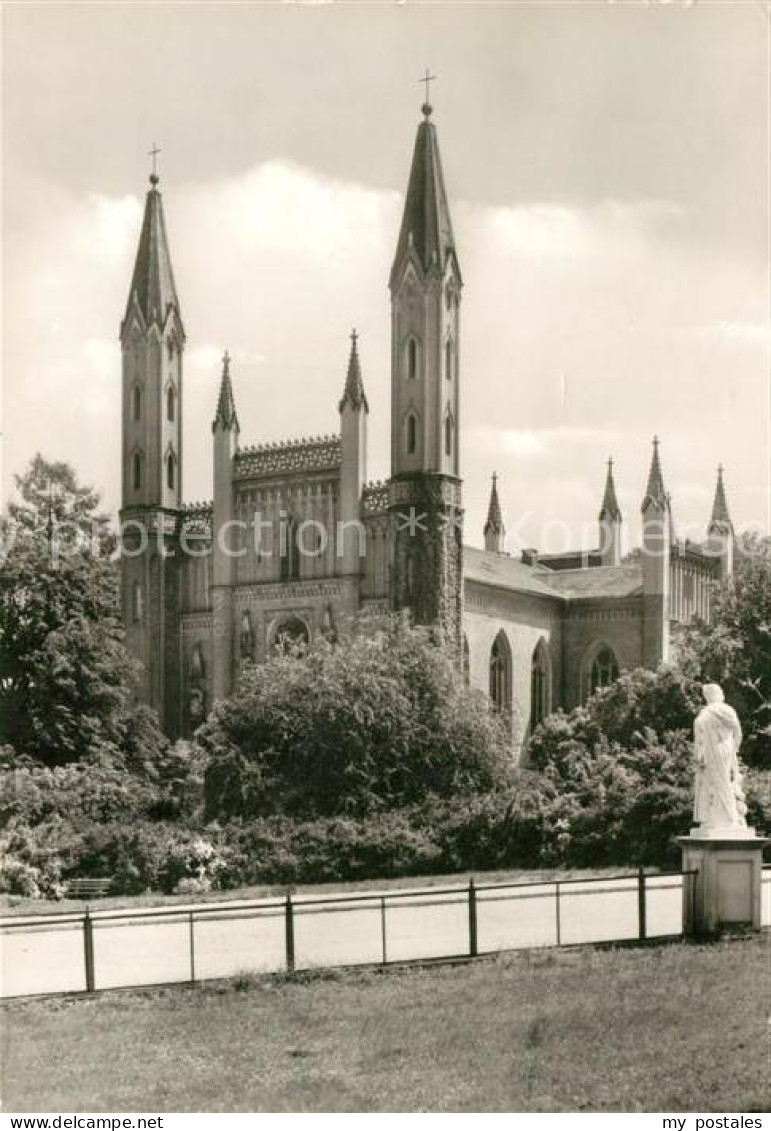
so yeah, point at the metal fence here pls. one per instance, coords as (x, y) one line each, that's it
(75, 952)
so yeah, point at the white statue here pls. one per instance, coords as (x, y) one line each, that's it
(719, 805)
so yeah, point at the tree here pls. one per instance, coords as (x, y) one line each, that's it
(383, 720)
(51, 501)
(734, 650)
(66, 680)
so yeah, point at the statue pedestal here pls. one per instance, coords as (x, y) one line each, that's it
(727, 888)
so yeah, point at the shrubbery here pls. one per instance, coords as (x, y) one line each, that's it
(377, 723)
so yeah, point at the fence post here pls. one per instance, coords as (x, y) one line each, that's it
(192, 947)
(88, 951)
(557, 907)
(472, 918)
(383, 928)
(641, 903)
(289, 922)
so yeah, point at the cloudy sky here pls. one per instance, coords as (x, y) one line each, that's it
(608, 166)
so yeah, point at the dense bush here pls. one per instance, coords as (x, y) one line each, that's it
(375, 724)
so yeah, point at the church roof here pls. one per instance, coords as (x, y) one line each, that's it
(505, 572)
(610, 508)
(494, 522)
(226, 415)
(562, 585)
(152, 284)
(426, 225)
(354, 394)
(599, 581)
(721, 519)
(655, 492)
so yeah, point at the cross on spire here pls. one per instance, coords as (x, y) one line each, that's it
(428, 78)
(154, 154)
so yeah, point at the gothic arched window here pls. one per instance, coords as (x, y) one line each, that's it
(413, 358)
(136, 470)
(448, 359)
(137, 603)
(170, 403)
(136, 403)
(500, 673)
(197, 667)
(448, 435)
(412, 434)
(540, 685)
(600, 671)
(247, 637)
(290, 553)
(171, 471)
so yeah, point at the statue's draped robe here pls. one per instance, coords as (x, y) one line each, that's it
(719, 801)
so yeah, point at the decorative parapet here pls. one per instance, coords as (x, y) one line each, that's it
(375, 497)
(315, 453)
(196, 518)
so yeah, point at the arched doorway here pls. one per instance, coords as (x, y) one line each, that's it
(291, 634)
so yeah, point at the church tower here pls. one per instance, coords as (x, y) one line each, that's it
(656, 553)
(720, 532)
(152, 340)
(225, 431)
(425, 486)
(610, 522)
(494, 530)
(353, 472)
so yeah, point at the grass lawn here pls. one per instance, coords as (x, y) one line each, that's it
(680, 1027)
(18, 905)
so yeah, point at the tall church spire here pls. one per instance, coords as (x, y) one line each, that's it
(720, 532)
(353, 393)
(226, 416)
(494, 530)
(426, 232)
(610, 508)
(610, 522)
(153, 291)
(655, 492)
(720, 522)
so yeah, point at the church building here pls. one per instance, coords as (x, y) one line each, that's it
(297, 540)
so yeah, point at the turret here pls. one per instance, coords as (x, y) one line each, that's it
(610, 522)
(494, 531)
(656, 517)
(353, 473)
(225, 430)
(720, 532)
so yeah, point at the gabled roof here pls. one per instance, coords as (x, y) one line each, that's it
(720, 522)
(610, 508)
(354, 394)
(426, 229)
(494, 522)
(655, 492)
(226, 416)
(152, 284)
